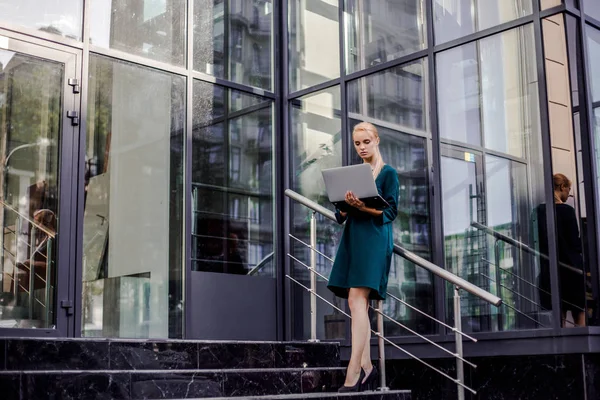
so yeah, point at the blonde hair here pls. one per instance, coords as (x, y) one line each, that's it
(559, 181)
(369, 127)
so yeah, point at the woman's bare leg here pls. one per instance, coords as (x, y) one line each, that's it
(365, 361)
(358, 302)
(579, 318)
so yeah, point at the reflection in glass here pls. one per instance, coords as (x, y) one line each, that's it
(592, 8)
(562, 50)
(147, 28)
(59, 17)
(247, 26)
(459, 18)
(486, 90)
(132, 239)
(232, 182)
(314, 53)
(496, 107)
(383, 30)
(545, 4)
(30, 104)
(395, 101)
(316, 143)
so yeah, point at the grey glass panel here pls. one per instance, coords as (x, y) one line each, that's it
(456, 19)
(30, 104)
(232, 182)
(485, 95)
(60, 17)
(506, 194)
(592, 8)
(593, 45)
(316, 144)
(383, 30)
(132, 239)
(314, 49)
(233, 40)
(395, 101)
(153, 29)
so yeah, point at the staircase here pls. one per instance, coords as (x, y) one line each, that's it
(99, 369)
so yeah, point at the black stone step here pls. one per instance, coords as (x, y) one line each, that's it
(168, 384)
(107, 354)
(389, 395)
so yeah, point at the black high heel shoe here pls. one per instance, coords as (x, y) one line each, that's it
(371, 382)
(357, 387)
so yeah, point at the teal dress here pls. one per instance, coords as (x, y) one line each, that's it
(364, 255)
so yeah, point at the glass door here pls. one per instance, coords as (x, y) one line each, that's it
(38, 122)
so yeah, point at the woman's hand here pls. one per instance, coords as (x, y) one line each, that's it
(355, 202)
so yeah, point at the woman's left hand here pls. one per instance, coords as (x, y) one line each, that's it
(354, 201)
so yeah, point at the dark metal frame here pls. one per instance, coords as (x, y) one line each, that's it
(67, 274)
(282, 97)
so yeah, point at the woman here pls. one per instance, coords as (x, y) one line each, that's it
(363, 259)
(572, 283)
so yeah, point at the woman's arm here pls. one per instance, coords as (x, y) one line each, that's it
(390, 192)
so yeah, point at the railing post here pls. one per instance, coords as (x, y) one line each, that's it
(31, 271)
(381, 347)
(313, 278)
(49, 256)
(460, 372)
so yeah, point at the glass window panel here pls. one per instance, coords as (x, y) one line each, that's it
(153, 29)
(486, 94)
(232, 180)
(562, 50)
(60, 17)
(592, 8)
(30, 138)
(233, 40)
(395, 101)
(132, 238)
(593, 47)
(502, 194)
(316, 143)
(459, 18)
(314, 54)
(380, 31)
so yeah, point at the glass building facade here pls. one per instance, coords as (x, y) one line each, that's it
(146, 146)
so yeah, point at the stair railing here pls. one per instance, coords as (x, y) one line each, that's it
(500, 237)
(455, 280)
(32, 248)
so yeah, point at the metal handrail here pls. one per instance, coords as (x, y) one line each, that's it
(399, 300)
(412, 257)
(261, 263)
(26, 218)
(458, 283)
(393, 320)
(520, 245)
(379, 335)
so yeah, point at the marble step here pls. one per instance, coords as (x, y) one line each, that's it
(108, 354)
(388, 395)
(168, 384)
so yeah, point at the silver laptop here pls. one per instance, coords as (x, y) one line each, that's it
(355, 178)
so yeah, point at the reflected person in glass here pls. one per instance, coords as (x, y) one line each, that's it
(362, 263)
(568, 242)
